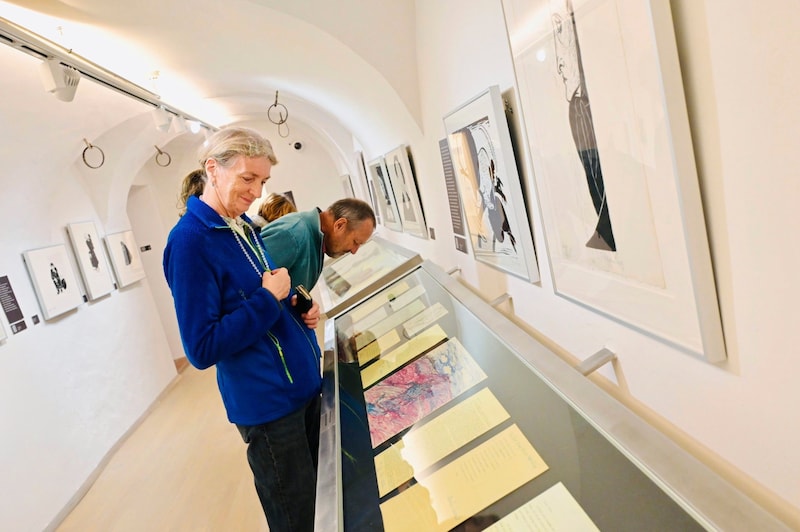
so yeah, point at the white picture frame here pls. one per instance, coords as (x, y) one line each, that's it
(3, 334)
(376, 169)
(616, 180)
(91, 258)
(404, 185)
(53, 279)
(347, 186)
(125, 258)
(489, 185)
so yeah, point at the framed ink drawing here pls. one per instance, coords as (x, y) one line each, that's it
(125, 258)
(604, 111)
(53, 280)
(404, 184)
(347, 186)
(489, 185)
(376, 170)
(91, 259)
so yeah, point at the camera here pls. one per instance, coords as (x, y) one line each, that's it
(297, 145)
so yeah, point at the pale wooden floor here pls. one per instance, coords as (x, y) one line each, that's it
(183, 469)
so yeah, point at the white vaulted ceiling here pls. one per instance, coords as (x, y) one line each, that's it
(346, 65)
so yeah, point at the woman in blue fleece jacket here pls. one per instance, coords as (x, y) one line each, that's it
(236, 312)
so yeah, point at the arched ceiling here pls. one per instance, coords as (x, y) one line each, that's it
(349, 64)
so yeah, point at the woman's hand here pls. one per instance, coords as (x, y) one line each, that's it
(277, 282)
(311, 318)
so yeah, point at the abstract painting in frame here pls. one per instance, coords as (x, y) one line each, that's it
(605, 115)
(125, 258)
(91, 259)
(489, 185)
(404, 184)
(384, 194)
(53, 280)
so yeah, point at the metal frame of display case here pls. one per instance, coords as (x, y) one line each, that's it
(397, 261)
(711, 501)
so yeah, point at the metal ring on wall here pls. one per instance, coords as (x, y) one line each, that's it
(88, 147)
(276, 108)
(159, 154)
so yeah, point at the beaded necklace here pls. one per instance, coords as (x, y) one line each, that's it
(237, 228)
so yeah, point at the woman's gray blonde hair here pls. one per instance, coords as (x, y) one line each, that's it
(230, 142)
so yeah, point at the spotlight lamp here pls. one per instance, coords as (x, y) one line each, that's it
(59, 79)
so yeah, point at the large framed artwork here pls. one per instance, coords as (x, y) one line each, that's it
(91, 259)
(404, 184)
(376, 169)
(125, 258)
(604, 110)
(53, 280)
(489, 185)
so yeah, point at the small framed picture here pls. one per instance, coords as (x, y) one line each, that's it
(91, 259)
(125, 258)
(53, 280)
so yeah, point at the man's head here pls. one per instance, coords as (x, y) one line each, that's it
(347, 225)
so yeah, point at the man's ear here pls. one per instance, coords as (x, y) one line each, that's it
(340, 225)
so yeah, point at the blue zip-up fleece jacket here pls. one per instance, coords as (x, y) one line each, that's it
(268, 361)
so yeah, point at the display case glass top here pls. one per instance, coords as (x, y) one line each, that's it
(440, 414)
(350, 278)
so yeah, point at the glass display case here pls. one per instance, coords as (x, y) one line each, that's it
(350, 278)
(439, 413)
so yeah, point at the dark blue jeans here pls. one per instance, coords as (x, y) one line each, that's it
(283, 457)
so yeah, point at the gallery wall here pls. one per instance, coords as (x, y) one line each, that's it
(738, 77)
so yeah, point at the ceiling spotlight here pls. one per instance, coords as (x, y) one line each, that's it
(161, 118)
(59, 79)
(194, 125)
(178, 125)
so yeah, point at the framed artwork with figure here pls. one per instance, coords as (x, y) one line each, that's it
(91, 259)
(605, 115)
(489, 185)
(125, 258)
(404, 184)
(385, 198)
(53, 280)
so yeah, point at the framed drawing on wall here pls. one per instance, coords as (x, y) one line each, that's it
(404, 184)
(125, 258)
(489, 186)
(91, 259)
(387, 205)
(53, 280)
(605, 115)
(347, 186)
(3, 335)
(364, 183)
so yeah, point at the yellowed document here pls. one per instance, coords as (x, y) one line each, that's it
(401, 355)
(423, 447)
(387, 341)
(423, 319)
(399, 301)
(390, 322)
(372, 304)
(555, 510)
(466, 485)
